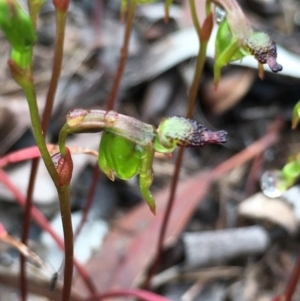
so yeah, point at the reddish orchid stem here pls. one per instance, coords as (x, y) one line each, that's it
(110, 106)
(123, 56)
(293, 281)
(44, 224)
(163, 229)
(96, 19)
(26, 226)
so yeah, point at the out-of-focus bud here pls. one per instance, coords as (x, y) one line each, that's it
(62, 5)
(17, 26)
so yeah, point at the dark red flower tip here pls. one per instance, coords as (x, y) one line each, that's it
(62, 5)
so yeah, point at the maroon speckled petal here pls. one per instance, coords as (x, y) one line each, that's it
(201, 136)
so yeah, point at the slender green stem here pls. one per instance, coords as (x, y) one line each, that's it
(123, 56)
(200, 61)
(57, 63)
(38, 133)
(168, 3)
(34, 7)
(29, 91)
(195, 18)
(196, 80)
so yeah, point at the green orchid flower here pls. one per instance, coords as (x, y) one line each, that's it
(128, 145)
(235, 39)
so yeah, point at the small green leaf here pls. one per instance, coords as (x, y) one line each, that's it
(291, 172)
(296, 115)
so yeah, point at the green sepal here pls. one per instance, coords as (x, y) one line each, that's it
(222, 41)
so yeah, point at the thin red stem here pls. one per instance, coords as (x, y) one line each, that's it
(293, 281)
(56, 68)
(110, 106)
(192, 102)
(123, 57)
(26, 226)
(165, 221)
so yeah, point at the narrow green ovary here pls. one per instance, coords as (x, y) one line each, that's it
(146, 177)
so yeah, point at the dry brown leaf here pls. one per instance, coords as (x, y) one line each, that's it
(233, 86)
(274, 210)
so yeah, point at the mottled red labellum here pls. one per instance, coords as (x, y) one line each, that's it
(214, 137)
